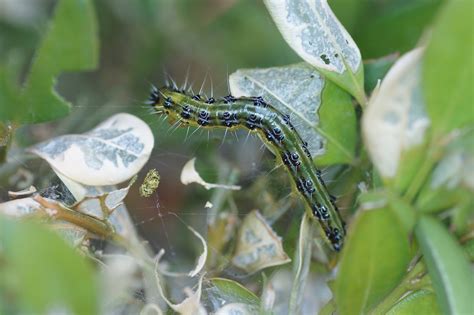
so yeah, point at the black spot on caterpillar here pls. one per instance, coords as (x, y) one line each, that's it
(274, 128)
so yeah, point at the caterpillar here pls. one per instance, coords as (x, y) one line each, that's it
(274, 128)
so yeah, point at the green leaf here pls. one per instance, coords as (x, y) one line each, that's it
(312, 30)
(70, 44)
(419, 302)
(338, 125)
(376, 69)
(231, 292)
(448, 267)
(373, 261)
(46, 271)
(448, 69)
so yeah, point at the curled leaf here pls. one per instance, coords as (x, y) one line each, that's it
(258, 245)
(22, 193)
(190, 175)
(191, 304)
(201, 261)
(109, 154)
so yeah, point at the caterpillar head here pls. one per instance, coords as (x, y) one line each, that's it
(161, 99)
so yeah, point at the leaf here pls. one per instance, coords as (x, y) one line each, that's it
(376, 69)
(374, 259)
(230, 291)
(314, 33)
(395, 121)
(190, 305)
(448, 267)
(201, 261)
(301, 264)
(418, 302)
(337, 125)
(190, 175)
(451, 183)
(47, 271)
(69, 45)
(110, 153)
(258, 246)
(448, 69)
(301, 92)
(19, 207)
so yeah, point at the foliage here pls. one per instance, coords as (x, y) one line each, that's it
(381, 91)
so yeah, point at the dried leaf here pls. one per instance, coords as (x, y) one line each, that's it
(258, 245)
(190, 175)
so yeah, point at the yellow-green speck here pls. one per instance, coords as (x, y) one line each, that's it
(150, 183)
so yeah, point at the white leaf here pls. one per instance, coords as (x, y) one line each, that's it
(395, 119)
(19, 207)
(315, 34)
(294, 90)
(190, 175)
(191, 304)
(258, 245)
(109, 154)
(151, 309)
(76, 189)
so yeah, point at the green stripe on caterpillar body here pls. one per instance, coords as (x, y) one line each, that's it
(274, 128)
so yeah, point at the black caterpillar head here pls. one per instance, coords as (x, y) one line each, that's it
(154, 97)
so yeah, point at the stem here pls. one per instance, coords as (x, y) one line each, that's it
(423, 173)
(85, 221)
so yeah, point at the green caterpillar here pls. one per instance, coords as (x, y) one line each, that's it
(274, 128)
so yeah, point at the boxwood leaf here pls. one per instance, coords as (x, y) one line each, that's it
(395, 122)
(418, 302)
(316, 35)
(70, 44)
(109, 154)
(48, 271)
(374, 259)
(448, 267)
(448, 69)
